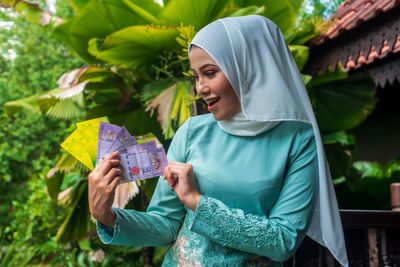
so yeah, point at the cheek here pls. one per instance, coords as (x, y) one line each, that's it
(232, 104)
(235, 105)
(226, 89)
(230, 95)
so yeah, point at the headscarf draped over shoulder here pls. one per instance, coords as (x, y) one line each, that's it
(253, 55)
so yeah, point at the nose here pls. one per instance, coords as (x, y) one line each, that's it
(202, 87)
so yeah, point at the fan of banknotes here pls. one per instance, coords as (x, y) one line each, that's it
(94, 139)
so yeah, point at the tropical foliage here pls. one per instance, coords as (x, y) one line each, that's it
(136, 66)
(28, 140)
(31, 62)
(374, 186)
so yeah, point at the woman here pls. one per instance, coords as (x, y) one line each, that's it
(248, 179)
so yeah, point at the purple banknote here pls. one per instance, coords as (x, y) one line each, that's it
(138, 165)
(122, 141)
(107, 134)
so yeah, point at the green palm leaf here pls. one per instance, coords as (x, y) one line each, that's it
(174, 106)
(283, 13)
(300, 55)
(77, 5)
(136, 46)
(162, 104)
(132, 117)
(97, 19)
(68, 109)
(28, 103)
(69, 103)
(141, 12)
(250, 10)
(78, 223)
(53, 184)
(192, 12)
(8, 3)
(65, 164)
(47, 101)
(133, 121)
(153, 89)
(97, 74)
(30, 11)
(306, 31)
(179, 106)
(341, 103)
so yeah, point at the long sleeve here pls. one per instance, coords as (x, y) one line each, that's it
(277, 234)
(158, 226)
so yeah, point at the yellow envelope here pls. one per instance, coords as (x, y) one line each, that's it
(82, 143)
(74, 145)
(89, 130)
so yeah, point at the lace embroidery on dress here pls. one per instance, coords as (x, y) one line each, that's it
(194, 249)
(183, 254)
(234, 228)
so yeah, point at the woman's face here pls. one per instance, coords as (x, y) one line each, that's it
(213, 86)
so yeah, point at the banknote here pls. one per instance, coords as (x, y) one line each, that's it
(139, 148)
(107, 134)
(123, 140)
(138, 165)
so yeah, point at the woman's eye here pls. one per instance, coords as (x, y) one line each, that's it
(209, 73)
(195, 77)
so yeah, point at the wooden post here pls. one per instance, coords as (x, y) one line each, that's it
(395, 196)
(373, 248)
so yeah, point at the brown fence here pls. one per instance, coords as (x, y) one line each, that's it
(372, 239)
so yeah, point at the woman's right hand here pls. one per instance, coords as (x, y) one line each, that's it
(103, 181)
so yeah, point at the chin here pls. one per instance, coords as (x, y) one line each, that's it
(219, 117)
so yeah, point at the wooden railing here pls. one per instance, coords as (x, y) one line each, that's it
(372, 239)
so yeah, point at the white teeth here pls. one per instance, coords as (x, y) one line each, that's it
(212, 101)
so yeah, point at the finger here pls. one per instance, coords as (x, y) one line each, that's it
(176, 175)
(175, 179)
(166, 176)
(115, 183)
(185, 167)
(169, 177)
(98, 166)
(176, 164)
(106, 157)
(166, 172)
(175, 168)
(112, 174)
(177, 172)
(112, 155)
(108, 164)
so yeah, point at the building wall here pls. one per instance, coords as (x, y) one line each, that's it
(378, 138)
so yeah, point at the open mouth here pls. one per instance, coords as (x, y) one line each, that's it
(212, 102)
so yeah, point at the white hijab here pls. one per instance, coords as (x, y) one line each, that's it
(240, 125)
(254, 57)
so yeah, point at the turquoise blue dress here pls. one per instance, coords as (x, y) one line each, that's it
(257, 198)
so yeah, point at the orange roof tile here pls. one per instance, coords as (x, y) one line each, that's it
(352, 13)
(359, 48)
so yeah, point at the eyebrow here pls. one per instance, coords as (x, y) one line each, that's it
(204, 66)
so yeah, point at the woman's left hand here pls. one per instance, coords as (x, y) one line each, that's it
(180, 177)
